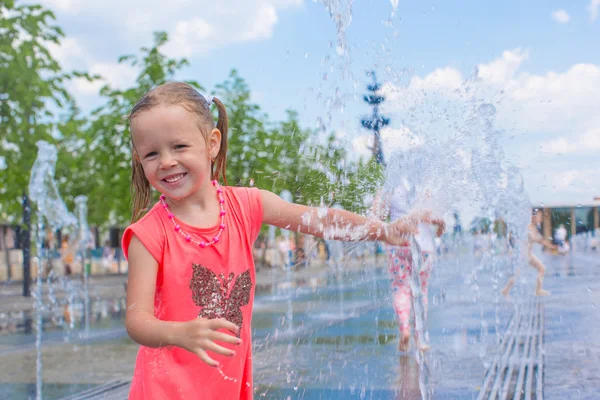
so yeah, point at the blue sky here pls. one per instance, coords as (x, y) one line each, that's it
(540, 60)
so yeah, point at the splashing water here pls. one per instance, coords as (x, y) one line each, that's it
(340, 12)
(84, 242)
(450, 152)
(53, 212)
(43, 190)
(461, 164)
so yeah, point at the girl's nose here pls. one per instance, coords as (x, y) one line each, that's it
(167, 162)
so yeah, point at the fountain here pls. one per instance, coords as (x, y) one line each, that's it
(84, 243)
(52, 212)
(288, 265)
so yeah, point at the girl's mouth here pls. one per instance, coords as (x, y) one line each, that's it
(173, 178)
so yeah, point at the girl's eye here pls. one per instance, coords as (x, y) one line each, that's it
(180, 146)
(151, 154)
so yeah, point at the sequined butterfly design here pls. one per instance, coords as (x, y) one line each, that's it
(213, 294)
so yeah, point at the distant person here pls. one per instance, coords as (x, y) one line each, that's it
(560, 235)
(393, 202)
(108, 255)
(191, 282)
(67, 255)
(533, 237)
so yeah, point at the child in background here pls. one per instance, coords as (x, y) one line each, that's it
(191, 271)
(533, 237)
(394, 202)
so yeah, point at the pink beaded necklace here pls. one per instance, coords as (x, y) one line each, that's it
(187, 236)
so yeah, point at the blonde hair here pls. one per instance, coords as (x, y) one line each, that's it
(186, 96)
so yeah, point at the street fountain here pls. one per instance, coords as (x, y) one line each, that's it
(52, 213)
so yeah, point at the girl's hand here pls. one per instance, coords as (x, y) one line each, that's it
(440, 224)
(199, 335)
(398, 231)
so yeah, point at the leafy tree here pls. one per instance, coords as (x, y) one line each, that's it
(247, 136)
(32, 88)
(363, 182)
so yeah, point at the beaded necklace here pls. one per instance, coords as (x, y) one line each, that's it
(188, 238)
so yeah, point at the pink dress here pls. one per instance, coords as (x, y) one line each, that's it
(214, 282)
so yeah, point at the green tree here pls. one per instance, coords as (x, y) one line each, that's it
(272, 156)
(32, 89)
(247, 136)
(362, 182)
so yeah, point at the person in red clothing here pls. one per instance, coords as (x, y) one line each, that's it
(191, 273)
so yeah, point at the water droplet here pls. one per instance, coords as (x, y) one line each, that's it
(486, 110)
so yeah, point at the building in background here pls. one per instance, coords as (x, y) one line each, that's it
(577, 218)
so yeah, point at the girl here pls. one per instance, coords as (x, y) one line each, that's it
(533, 236)
(395, 203)
(191, 272)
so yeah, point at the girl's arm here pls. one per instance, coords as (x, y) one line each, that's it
(334, 224)
(537, 238)
(196, 336)
(381, 205)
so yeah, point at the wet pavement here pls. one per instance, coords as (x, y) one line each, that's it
(572, 339)
(332, 335)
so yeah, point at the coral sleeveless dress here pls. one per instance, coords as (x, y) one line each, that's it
(213, 282)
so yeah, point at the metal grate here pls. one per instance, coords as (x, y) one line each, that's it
(517, 370)
(114, 390)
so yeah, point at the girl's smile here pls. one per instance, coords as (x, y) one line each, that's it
(174, 179)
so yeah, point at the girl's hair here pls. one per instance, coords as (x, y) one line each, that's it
(184, 95)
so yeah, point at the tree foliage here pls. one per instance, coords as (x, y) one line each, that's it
(32, 89)
(95, 149)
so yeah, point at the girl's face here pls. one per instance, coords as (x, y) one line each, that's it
(537, 218)
(174, 153)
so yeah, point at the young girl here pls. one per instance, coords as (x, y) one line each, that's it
(191, 272)
(395, 203)
(533, 236)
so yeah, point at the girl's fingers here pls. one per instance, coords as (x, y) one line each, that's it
(222, 323)
(215, 348)
(224, 337)
(205, 357)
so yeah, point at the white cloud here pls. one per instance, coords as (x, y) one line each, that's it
(554, 102)
(392, 140)
(589, 142)
(187, 36)
(503, 69)
(555, 112)
(194, 27)
(68, 6)
(262, 26)
(575, 180)
(361, 146)
(72, 56)
(561, 16)
(69, 54)
(593, 9)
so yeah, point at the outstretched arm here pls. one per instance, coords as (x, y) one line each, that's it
(332, 223)
(535, 236)
(381, 205)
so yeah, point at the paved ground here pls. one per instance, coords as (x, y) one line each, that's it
(333, 335)
(572, 340)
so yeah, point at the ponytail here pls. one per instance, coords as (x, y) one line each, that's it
(219, 165)
(141, 191)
